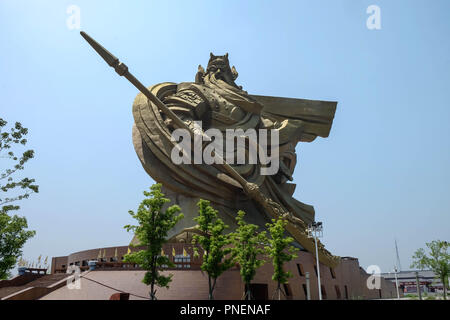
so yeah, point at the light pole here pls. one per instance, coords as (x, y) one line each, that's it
(396, 282)
(315, 229)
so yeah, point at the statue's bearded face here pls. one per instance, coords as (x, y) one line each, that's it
(218, 62)
(220, 66)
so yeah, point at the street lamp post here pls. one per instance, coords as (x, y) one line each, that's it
(315, 230)
(396, 282)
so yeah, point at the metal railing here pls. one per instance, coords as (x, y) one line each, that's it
(179, 265)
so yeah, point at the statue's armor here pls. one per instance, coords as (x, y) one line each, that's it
(198, 102)
(219, 103)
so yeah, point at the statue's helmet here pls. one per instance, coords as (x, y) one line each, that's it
(218, 62)
(220, 67)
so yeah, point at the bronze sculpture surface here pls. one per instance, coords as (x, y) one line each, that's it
(215, 100)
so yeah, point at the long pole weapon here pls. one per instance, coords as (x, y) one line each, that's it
(122, 70)
(297, 227)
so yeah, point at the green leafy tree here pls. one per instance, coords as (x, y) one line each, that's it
(12, 238)
(247, 249)
(438, 260)
(24, 187)
(13, 233)
(215, 244)
(153, 226)
(280, 251)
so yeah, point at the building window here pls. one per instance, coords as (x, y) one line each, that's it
(324, 293)
(300, 270)
(305, 291)
(333, 275)
(182, 261)
(338, 292)
(287, 290)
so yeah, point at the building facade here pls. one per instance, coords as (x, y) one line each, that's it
(111, 275)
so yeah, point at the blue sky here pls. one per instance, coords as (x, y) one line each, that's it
(383, 173)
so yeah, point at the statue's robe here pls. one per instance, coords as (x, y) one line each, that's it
(222, 106)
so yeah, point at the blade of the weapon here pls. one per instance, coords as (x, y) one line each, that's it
(105, 54)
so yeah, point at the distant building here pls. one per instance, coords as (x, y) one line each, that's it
(428, 282)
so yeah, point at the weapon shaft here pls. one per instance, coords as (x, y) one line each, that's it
(122, 70)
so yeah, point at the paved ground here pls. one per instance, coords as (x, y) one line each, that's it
(43, 281)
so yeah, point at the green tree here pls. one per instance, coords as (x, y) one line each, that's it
(215, 244)
(12, 238)
(25, 186)
(12, 228)
(247, 248)
(438, 260)
(280, 251)
(153, 226)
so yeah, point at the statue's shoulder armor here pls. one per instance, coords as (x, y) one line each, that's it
(184, 94)
(186, 99)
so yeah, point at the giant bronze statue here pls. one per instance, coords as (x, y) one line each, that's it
(218, 102)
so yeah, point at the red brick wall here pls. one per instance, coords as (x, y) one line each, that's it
(347, 274)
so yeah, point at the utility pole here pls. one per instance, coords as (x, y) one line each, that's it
(398, 257)
(396, 282)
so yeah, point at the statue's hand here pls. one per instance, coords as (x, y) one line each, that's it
(252, 189)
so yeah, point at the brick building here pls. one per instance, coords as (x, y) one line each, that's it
(111, 275)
